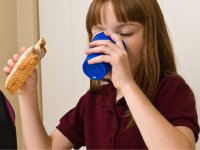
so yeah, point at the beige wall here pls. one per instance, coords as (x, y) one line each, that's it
(18, 27)
(9, 46)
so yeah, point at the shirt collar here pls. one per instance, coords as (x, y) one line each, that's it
(106, 96)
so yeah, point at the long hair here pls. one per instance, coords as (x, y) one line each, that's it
(157, 53)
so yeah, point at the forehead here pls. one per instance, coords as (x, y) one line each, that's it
(107, 14)
(103, 10)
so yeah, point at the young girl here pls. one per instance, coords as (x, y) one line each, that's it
(141, 104)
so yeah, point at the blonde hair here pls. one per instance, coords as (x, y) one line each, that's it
(157, 54)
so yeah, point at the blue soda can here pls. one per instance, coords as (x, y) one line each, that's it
(99, 70)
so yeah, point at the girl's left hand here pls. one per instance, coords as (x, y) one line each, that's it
(116, 55)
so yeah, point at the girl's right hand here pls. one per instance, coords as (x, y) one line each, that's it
(30, 84)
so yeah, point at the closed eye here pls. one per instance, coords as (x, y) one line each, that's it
(126, 34)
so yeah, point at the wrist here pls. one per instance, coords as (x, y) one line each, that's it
(27, 94)
(29, 102)
(129, 87)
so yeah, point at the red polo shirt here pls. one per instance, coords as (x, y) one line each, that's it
(98, 122)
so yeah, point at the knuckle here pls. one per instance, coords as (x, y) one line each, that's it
(9, 61)
(15, 56)
(118, 37)
(120, 56)
(124, 53)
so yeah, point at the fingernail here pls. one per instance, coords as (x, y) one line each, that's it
(5, 69)
(9, 61)
(89, 62)
(15, 57)
(86, 51)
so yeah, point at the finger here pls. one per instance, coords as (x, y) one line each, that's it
(107, 43)
(7, 70)
(99, 59)
(101, 43)
(100, 49)
(11, 63)
(117, 38)
(23, 49)
(16, 57)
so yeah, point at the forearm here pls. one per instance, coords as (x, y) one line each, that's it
(34, 132)
(156, 131)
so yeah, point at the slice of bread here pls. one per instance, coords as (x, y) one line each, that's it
(24, 66)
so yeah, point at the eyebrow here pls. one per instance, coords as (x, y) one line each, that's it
(128, 24)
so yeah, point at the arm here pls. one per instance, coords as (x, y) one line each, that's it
(157, 132)
(34, 132)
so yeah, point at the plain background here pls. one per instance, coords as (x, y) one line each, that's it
(62, 24)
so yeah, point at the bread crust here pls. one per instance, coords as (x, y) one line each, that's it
(24, 67)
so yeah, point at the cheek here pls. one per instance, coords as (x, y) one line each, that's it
(134, 61)
(134, 49)
(135, 55)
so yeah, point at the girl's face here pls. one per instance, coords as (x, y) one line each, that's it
(131, 33)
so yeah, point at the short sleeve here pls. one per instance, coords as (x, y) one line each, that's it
(176, 103)
(72, 125)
